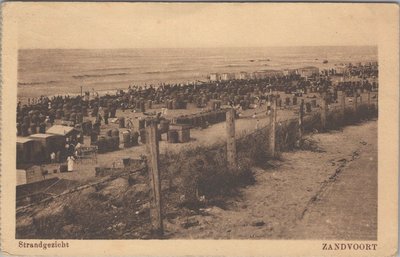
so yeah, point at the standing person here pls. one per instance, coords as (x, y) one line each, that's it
(42, 128)
(100, 110)
(66, 153)
(71, 149)
(70, 163)
(106, 115)
(87, 96)
(98, 119)
(129, 124)
(269, 105)
(24, 130)
(52, 117)
(53, 157)
(78, 149)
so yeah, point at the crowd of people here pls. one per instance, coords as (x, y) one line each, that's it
(38, 113)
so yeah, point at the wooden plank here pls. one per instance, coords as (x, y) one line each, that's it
(231, 155)
(155, 180)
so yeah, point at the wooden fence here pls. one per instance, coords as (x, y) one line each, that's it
(273, 145)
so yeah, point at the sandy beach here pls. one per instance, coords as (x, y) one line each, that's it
(304, 195)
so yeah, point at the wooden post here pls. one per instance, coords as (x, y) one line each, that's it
(359, 91)
(369, 98)
(231, 140)
(324, 111)
(272, 131)
(342, 101)
(155, 180)
(355, 100)
(301, 115)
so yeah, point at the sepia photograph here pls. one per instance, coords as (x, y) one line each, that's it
(212, 121)
(261, 143)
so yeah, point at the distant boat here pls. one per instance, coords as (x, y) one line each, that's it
(325, 61)
(251, 60)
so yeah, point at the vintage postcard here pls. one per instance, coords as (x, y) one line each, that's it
(199, 129)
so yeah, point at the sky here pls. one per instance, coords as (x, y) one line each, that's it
(176, 25)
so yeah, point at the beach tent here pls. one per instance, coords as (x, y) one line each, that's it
(28, 150)
(66, 131)
(24, 150)
(49, 143)
(62, 130)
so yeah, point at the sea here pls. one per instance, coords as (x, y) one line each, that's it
(65, 71)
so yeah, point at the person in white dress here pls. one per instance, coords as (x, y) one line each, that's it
(53, 157)
(70, 163)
